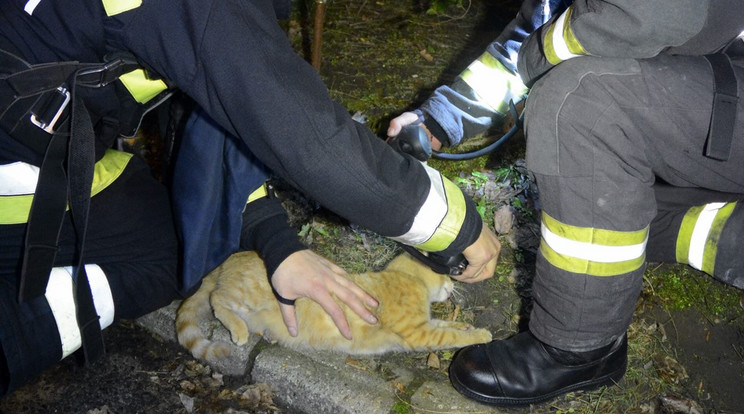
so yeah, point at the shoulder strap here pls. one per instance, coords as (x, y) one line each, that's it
(39, 106)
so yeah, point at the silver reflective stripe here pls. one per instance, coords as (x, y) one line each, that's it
(430, 215)
(590, 251)
(560, 47)
(18, 178)
(59, 295)
(31, 6)
(700, 234)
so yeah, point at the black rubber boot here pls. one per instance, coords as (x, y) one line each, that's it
(521, 370)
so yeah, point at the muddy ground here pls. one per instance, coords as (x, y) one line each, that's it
(380, 58)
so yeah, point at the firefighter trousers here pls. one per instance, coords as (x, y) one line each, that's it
(617, 149)
(131, 256)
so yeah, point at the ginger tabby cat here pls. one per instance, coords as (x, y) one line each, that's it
(239, 294)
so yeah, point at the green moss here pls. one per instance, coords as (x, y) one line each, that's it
(402, 407)
(680, 287)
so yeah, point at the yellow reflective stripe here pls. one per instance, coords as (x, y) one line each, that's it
(560, 42)
(575, 265)
(685, 233)
(16, 208)
(711, 244)
(699, 232)
(114, 7)
(140, 86)
(438, 221)
(258, 193)
(137, 83)
(597, 252)
(493, 82)
(108, 169)
(594, 236)
(448, 230)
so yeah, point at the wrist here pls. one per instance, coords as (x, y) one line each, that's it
(267, 231)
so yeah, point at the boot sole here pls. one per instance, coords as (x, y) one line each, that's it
(607, 380)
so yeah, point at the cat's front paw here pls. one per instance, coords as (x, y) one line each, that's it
(444, 291)
(236, 326)
(239, 337)
(483, 336)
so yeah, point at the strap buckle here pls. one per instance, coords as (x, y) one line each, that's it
(51, 110)
(100, 76)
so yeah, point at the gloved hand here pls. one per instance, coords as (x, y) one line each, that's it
(409, 118)
(307, 274)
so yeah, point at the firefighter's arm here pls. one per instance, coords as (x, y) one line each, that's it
(447, 223)
(617, 28)
(480, 94)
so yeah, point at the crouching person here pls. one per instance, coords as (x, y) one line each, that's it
(130, 263)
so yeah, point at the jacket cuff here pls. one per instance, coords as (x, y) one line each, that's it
(267, 231)
(469, 232)
(437, 131)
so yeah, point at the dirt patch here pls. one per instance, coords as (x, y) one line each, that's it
(712, 355)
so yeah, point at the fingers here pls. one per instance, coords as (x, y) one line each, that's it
(397, 123)
(290, 318)
(357, 292)
(335, 312)
(306, 274)
(356, 299)
(475, 274)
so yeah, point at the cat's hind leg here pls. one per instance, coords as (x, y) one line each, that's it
(463, 326)
(233, 323)
(443, 337)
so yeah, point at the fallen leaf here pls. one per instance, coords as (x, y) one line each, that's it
(433, 361)
(426, 55)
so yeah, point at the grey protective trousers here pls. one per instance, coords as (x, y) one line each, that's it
(602, 134)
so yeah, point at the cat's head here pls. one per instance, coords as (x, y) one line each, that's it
(440, 286)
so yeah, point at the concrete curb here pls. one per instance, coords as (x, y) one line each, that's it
(318, 382)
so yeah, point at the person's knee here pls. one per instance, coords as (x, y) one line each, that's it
(140, 288)
(563, 109)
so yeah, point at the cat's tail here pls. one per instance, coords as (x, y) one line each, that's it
(193, 310)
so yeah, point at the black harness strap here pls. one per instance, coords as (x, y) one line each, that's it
(36, 110)
(80, 167)
(723, 116)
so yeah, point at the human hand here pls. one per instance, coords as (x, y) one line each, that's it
(306, 274)
(482, 257)
(408, 118)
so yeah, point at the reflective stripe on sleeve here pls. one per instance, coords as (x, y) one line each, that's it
(18, 184)
(260, 192)
(493, 83)
(596, 252)
(31, 6)
(440, 218)
(18, 178)
(140, 86)
(114, 7)
(59, 295)
(698, 233)
(560, 42)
